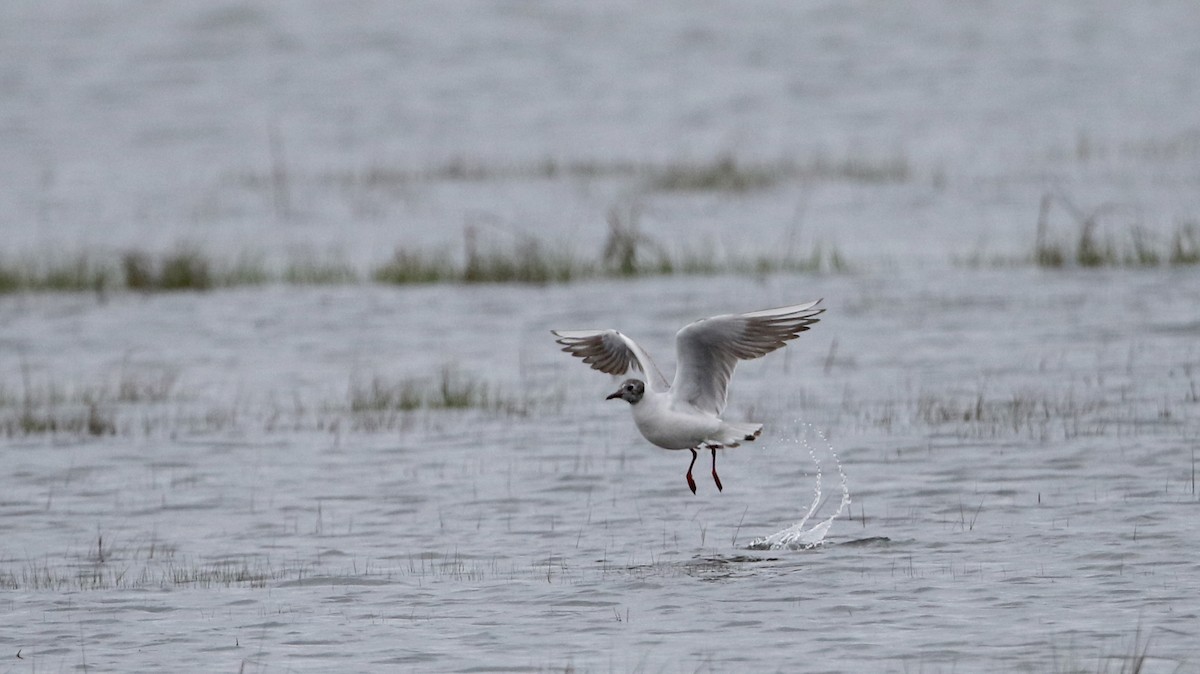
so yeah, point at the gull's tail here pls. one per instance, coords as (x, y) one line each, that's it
(732, 435)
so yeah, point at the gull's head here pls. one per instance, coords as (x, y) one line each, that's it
(631, 391)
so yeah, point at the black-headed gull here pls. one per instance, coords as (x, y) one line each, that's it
(686, 414)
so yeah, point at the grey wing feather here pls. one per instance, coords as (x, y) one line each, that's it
(709, 349)
(611, 352)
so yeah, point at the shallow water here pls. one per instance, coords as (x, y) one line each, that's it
(1019, 444)
(555, 537)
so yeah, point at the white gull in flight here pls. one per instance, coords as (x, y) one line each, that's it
(686, 414)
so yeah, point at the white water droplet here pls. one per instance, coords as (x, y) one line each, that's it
(797, 537)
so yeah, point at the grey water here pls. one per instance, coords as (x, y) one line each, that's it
(231, 490)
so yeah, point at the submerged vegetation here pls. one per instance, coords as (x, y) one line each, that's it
(725, 173)
(627, 253)
(45, 408)
(377, 404)
(1057, 413)
(522, 258)
(721, 173)
(1092, 249)
(185, 268)
(106, 565)
(149, 402)
(1093, 246)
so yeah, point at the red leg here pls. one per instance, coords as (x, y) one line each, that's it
(716, 478)
(691, 482)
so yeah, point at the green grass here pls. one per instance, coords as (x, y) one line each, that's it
(1092, 248)
(45, 408)
(1185, 245)
(150, 402)
(1061, 411)
(381, 404)
(721, 173)
(55, 273)
(309, 269)
(411, 267)
(1135, 249)
(724, 174)
(121, 568)
(512, 258)
(379, 395)
(91, 419)
(450, 390)
(528, 261)
(626, 253)
(186, 268)
(105, 566)
(1090, 245)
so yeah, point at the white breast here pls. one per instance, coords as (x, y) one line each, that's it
(670, 428)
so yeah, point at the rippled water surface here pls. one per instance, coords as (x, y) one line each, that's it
(231, 480)
(1020, 462)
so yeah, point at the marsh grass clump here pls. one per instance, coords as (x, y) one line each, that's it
(309, 269)
(188, 268)
(49, 410)
(409, 267)
(626, 254)
(184, 269)
(138, 270)
(726, 174)
(82, 272)
(382, 396)
(379, 404)
(45, 408)
(107, 568)
(1185, 245)
(514, 257)
(821, 259)
(1090, 251)
(624, 249)
(1067, 413)
(723, 174)
(218, 574)
(137, 387)
(1093, 249)
(526, 260)
(457, 392)
(248, 269)
(450, 390)
(863, 169)
(1137, 250)
(629, 253)
(90, 419)
(149, 402)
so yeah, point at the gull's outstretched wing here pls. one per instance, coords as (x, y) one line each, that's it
(709, 349)
(612, 352)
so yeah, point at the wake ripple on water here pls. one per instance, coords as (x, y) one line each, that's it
(797, 537)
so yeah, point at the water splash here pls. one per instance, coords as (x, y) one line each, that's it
(797, 537)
